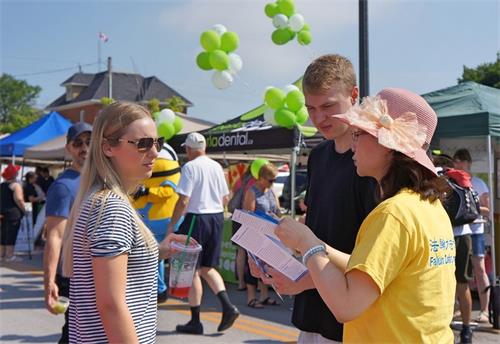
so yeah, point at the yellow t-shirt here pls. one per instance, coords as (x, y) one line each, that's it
(406, 246)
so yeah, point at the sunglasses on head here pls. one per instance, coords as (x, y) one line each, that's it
(79, 143)
(146, 143)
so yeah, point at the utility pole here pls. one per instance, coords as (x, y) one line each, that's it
(110, 79)
(364, 78)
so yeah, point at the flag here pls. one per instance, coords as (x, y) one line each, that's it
(103, 37)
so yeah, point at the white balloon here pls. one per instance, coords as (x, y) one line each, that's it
(290, 88)
(269, 116)
(222, 79)
(166, 115)
(296, 22)
(235, 63)
(280, 21)
(219, 28)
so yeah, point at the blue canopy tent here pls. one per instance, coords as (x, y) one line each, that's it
(46, 128)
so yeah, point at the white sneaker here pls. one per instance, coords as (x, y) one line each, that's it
(14, 259)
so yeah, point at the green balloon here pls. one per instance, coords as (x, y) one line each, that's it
(271, 9)
(229, 41)
(166, 130)
(285, 118)
(203, 60)
(306, 27)
(155, 115)
(274, 98)
(295, 100)
(281, 36)
(256, 166)
(302, 116)
(178, 124)
(286, 7)
(304, 37)
(219, 60)
(210, 40)
(291, 32)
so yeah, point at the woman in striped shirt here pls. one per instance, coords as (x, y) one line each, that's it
(110, 255)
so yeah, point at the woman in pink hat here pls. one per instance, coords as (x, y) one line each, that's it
(11, 211)
(398, 284)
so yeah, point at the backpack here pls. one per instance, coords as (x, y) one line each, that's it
(462, 205)
(494, 306)
(236, 201)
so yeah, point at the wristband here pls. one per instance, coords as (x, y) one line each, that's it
(311, 252)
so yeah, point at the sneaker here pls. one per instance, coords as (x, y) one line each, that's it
(465, 336)
(13, 259)
(228, 318)
(483, 318)
(190, 328)
(162, 297)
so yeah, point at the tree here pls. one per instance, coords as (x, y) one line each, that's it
(154, 105)
(105, 101)
(175, 104)
(17, 99)
(487, 73)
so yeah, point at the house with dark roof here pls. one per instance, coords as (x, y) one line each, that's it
(82, 99)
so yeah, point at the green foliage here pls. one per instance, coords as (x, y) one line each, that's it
(107, 101)
(487, 73)
(17, 98)
(175, 104)
(154, 105)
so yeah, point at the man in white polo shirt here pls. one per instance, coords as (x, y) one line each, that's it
(203, 192)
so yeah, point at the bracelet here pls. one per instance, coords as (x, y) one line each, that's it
(311, 252)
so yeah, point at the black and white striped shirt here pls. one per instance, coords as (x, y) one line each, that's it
(115, 234)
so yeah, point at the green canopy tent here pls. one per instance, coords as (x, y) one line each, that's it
(469, 117)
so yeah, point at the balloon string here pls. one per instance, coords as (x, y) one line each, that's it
(246, 84)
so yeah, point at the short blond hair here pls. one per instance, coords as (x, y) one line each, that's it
(326, 70)
(268, 171)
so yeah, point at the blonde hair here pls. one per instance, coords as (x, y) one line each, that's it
(326, 70)
(268, 171)
(99, 173)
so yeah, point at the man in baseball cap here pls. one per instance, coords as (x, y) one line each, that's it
(195, 141)
(60, 198)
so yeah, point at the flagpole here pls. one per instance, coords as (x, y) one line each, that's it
(99, 52)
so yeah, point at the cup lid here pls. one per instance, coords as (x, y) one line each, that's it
(184, 248)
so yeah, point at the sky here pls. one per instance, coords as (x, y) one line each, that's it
(421, 45)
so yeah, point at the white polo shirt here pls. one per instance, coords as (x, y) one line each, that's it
(202, 180)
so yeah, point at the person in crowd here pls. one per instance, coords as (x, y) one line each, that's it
(203, 193)
(261, 198)
(44, 179)
(337, 198)
(12, 211)
(33, 193)
(109, 253)
(59, 200)
(395, 285)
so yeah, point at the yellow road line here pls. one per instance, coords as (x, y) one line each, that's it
(247, 325)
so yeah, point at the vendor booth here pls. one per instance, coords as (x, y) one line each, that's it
(469, 117)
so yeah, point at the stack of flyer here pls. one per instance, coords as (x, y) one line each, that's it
(256, 235)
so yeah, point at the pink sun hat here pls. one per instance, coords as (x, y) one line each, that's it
(401, 120)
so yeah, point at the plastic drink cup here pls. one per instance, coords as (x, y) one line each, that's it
(182, 267)
(61, 305)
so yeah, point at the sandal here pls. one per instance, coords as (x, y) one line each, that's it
(254, 303)
(241, 288)
(269, 301)
(483, 317)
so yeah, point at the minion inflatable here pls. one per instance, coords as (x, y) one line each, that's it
(155, 201)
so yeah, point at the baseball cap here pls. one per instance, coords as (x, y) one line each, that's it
(195, 141)
(76, 129)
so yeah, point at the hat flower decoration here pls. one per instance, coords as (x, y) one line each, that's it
(404, 133)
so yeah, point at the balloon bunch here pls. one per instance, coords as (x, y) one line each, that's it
(167, 123)
(288, 24)
(256, 165)
(219, 45)
(285, 107)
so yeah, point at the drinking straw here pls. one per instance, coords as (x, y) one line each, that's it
(190, 231)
